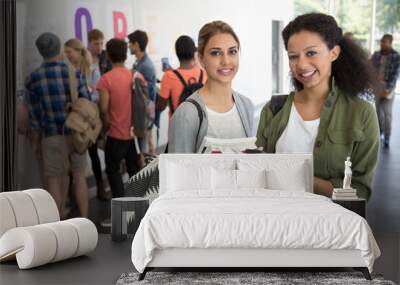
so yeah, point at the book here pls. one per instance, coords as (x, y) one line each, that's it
(214, 145)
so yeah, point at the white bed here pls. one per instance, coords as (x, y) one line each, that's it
(202, 219)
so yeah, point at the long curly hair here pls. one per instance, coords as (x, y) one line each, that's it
(352, 71)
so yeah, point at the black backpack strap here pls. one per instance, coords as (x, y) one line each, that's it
(201, 117)
(180, 77)
(277, 102)
(200, 113)
(201, 76)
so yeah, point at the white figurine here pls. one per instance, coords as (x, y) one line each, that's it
(347, 174)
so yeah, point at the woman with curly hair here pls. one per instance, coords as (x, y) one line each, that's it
(324, 115)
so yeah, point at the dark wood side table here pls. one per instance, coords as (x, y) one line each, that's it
(357, 205)
(125, 208)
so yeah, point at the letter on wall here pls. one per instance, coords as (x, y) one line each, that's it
(79, 14)
(119, 17)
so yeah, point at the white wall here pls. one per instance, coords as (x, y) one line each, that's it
(58, 16)
(165, 21)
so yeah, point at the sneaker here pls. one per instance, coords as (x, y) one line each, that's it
(106, 223)
(386, 143)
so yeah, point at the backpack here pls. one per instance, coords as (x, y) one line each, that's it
(143, 108)
(277, 102)
(201, 118)
(188, 88)
(145, 183)
(83, 118)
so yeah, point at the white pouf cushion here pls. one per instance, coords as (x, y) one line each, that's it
(45, 205)
(7, 218)
(66, 237)
(41, 244)
(23, 208)
(33, 246)
(87, 235)
(26, 208)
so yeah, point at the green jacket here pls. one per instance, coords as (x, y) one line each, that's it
(348, 127)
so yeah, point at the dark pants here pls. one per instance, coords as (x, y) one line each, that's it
(384, 109)
(96, 166)
(115, 151)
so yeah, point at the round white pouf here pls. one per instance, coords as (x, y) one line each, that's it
(67, 240)
(87, 234)
(7, 218)
(23, 208)
(45, 205)
(37, 245)
(33, 246)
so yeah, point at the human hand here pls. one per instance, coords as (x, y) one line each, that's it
(132, 133)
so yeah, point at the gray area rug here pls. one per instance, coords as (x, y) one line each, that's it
(229, 278)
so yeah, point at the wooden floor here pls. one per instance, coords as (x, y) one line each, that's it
(110, 260)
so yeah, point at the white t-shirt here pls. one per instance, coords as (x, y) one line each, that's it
(226, 125)
(299, 135)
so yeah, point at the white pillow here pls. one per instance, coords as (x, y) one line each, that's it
(251, 178)
(188, 177)
(294, 178)
(223, 179)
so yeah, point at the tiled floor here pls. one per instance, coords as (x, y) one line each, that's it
(106, 264)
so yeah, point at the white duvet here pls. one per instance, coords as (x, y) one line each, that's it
(251, 218)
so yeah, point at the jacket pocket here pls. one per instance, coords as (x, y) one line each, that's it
(341, 145)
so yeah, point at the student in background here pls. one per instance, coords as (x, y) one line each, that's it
(324, 116)
(48, 93)
(386, 63)
(226, 113)
(138, 41)
(95, 46)
(171, 84)
(99, 66)
(115, 106)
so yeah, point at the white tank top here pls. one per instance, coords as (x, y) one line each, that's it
(299, 135)
(226, 125)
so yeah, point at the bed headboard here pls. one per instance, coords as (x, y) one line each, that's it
(296, 169)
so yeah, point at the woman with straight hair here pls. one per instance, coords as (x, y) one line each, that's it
(324, 115)
(226, 114)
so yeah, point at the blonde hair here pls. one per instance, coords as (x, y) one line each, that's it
(86, 58)
(211, 29)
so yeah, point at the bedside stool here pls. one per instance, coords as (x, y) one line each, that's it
(121, 208)
(357, 205)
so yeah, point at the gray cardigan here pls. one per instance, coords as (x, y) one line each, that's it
(184, 124)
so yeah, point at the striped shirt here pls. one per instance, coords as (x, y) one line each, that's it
(47, 93)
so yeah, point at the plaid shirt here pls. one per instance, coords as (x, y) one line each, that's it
(392, 67)
(47, 95)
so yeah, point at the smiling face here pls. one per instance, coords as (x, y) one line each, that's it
(73, 55)
(221, 58)
(310, 59)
